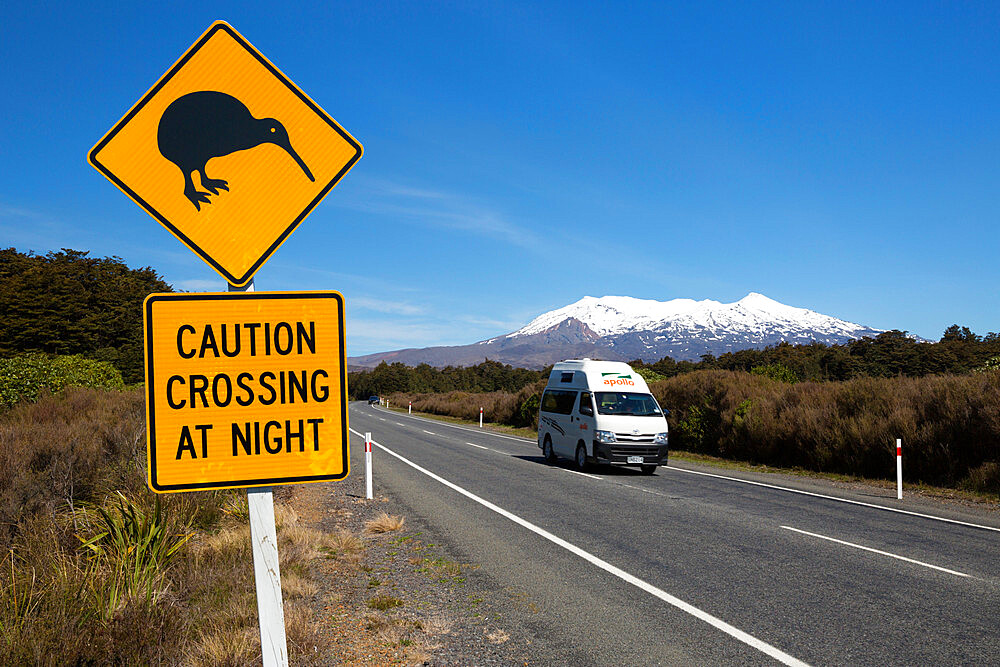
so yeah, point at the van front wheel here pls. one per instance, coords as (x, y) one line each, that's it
(581, 458)
(550, 456)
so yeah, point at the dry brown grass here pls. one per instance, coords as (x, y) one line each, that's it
(68, 448)
(384, 523)
(294, 586)
(345, 545)
(59, 607)
(228, 647)
(498, 636)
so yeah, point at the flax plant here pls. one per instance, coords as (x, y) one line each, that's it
(135, 547)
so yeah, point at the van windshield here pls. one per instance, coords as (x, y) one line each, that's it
(623, 403)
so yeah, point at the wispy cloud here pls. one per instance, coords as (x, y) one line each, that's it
(7, 211)
(365, 336)
(382, 306)
(443, 210)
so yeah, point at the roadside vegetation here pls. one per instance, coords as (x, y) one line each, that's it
(949, 424)
(99, 570)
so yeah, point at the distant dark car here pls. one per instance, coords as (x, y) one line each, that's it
(372, 400)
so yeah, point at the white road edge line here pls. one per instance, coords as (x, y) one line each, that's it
(577, 472)
(839, 500)
(884, 553)
(717, 623)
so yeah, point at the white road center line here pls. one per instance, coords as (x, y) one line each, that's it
(471, 429)
(839, 500)
(876, 551)
(479, 446)
(687, 608)
(428, 432)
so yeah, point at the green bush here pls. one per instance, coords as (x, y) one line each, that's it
(25, 376)
(778, 372)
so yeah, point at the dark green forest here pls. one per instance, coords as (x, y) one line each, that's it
(69, 303)
(890, 354)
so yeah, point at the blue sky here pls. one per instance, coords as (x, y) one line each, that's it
(518, 156)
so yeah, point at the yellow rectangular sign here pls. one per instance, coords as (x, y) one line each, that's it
(245, 389)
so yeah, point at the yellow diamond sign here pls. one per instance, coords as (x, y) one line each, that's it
(227, 153)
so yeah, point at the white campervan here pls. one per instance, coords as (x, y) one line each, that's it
(601, 411)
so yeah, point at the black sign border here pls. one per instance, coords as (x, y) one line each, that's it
(150, 392)
(237, 281)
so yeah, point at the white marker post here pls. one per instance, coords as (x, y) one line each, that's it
(368, 466)
(480, 417)
(899, 469)
(267, 575)
(409, 408)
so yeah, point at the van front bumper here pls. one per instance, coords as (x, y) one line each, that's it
(617, 453)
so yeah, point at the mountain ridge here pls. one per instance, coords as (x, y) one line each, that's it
(622, 328)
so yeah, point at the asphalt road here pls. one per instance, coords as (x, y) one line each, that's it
(684, 567)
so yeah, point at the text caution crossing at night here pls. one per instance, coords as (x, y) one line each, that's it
(245, 389)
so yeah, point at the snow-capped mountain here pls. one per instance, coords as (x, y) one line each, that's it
(625, 328)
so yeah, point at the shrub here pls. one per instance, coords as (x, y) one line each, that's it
(778, 372)
(67, 448)
(26, 376)
(950, 425)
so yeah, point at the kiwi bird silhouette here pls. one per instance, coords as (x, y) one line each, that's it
(199, 126)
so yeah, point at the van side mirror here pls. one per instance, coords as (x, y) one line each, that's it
(587, 410)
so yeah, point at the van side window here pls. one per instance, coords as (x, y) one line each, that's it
(566, 377)
(586, 406)
(559, 401)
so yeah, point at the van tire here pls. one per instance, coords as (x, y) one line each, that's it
(550, 456)
(647, 470)
(581, 457)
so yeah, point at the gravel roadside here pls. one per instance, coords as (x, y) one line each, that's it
(403, 596)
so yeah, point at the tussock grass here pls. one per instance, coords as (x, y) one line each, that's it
(225, 647)
(384, 523)
(98, 570)
(294, 586)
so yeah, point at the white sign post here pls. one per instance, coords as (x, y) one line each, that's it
(368, 466)
(899, 469)
(267, 575)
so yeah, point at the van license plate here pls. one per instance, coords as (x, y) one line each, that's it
(635, 459)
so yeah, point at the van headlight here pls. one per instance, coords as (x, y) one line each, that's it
(604, 436)
(661, 438)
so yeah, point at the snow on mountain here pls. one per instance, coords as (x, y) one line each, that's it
(754, 313)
